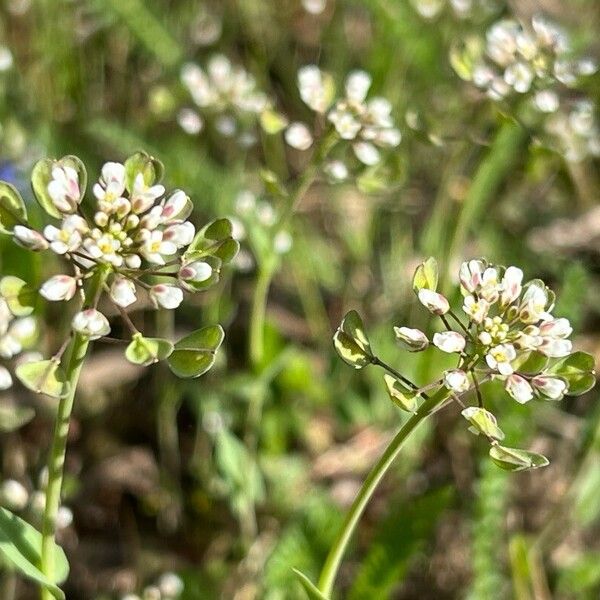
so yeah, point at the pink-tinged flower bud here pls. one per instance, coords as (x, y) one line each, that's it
(180, 234)
(197, 271)
(511, 285)
(59, 287)
(553, 388)
(449, 341)
(64, 190)
(122, 292)
(178, 206)
(91, 323)
(434, 302)
(167, 296)
(29, 238)
(519, 388)
(457, 381)
(414, 340)
(471, 274)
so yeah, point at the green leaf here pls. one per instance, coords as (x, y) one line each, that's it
(351, 342)
(272, 122)
(465, 56)
(514, 459)
(531, 363)
(43, 377)
(400, 396)
(426, 275)
(578, 370)
(42, 174)
(195, 354)
(146, 351)
(20, 545)
(18, 295)
(483, 422)
(141, 162)
(14, 417)
(309, 587)
(214, 239)
(12, 208)
(272, 184)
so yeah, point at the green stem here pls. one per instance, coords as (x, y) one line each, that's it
(332, 563)
(74, 359)
(258, 316)
(76, 354)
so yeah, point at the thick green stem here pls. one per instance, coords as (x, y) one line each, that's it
(258, 316)
(74, 361)
(332, 563)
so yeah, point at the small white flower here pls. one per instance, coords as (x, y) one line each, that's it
(5, 378)
(190, 121)
(457, 381)
(298, 136)
(476, 309)
(64, 190)
(336, 170)
(111, 186)
(122, 292)
(177, 207)
(550, 387)
(471, 275)
(500, 357)
(511, 285)
(68, 238)
(414, 340)
(58, 288)
(91, 323)
(367, 153)
(533, 303)
(314, 7)
(64, 517)
(29, 238)
(434, 302)
(181, 234)
(167, 296)
(282, 242)
(156, 246)
(449, 341)
(519, 388)
(519, 76)
(170, 585)
(357, 86)
(13, 495)
(144, 196)
(313, 88)
(197, 271)
(546, 101)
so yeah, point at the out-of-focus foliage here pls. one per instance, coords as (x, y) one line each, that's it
(231, 480)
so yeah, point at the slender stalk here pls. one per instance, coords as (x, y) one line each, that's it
(258, 316)
(332, 563)
(75, 354)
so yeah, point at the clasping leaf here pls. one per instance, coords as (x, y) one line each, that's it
(351, 342)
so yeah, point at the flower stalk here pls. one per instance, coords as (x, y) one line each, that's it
(334, 558)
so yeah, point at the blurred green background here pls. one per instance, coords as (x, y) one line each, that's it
(233, 479)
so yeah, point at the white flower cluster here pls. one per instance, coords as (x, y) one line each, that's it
(508, 321)
(16, 334)
(429, 9)
(17, 497)
(576, 131)
(366, 124)
(223, 90)
(168, 587)
(523, 58)
(133, 224)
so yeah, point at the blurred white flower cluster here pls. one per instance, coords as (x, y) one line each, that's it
(529, 58)
(224, 92)
(430, 9)
(367, 124)
(18, 497)
(18, 332)
(169, 586)
(508, 321)
(135, 230)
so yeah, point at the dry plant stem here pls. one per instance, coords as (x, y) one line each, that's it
(334, 559)
(73, 362)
